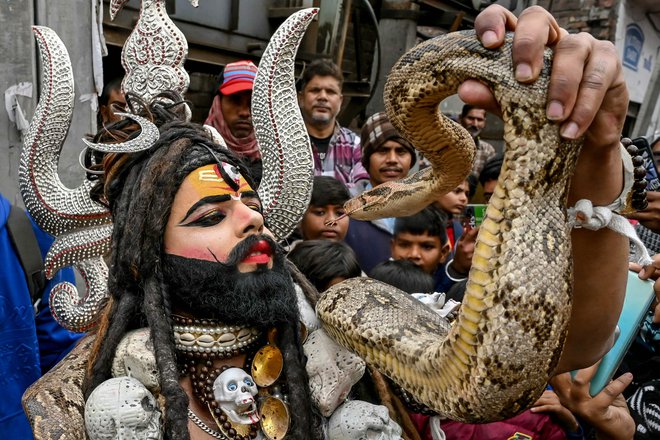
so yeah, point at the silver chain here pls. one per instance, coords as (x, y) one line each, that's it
(204, 427)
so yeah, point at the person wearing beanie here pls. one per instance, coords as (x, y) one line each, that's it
(386, 156)
(231, 113)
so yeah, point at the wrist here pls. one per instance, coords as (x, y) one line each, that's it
(598, 176)
(452, 273)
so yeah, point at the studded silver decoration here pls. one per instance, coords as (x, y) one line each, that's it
(149, 134)
(69, 309)
(59, 210)
(154, 54)
(153, 57)
(117, 5)
(67, 250)
(288, 165)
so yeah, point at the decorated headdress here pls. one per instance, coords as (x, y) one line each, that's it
(83, 227)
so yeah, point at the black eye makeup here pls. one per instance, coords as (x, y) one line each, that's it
(209, 218)
(215, 214)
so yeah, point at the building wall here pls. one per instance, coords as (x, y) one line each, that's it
(16, 67)
(19, 64)
(626, 24)
(639, 46)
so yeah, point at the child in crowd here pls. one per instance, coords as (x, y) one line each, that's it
(404, 275)
(453, 204)
(325, 262)
(422, 239)
(326, 205)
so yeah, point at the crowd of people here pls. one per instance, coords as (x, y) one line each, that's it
(191, 250)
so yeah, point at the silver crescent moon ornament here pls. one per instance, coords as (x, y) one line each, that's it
(288, 165)
(148, 136)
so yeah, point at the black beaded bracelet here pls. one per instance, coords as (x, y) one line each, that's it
(638, 192)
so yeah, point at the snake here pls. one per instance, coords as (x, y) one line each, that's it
(495, 360)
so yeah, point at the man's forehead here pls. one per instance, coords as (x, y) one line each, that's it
(217, 179)
(477, 113)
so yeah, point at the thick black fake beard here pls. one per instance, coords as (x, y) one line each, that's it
(215, 290)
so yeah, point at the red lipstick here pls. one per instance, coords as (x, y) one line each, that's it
(260, 253)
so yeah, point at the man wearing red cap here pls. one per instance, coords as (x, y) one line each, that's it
(230, 113)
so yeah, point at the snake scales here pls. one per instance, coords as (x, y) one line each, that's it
(496, 359)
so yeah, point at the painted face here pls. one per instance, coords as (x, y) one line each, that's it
(320, 100)
(424, 250)
(390, 161)
(237, 113)
(213, 210)
(455, 201)
(313, 223)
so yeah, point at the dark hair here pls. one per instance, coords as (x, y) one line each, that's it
(109, 87)
(472, 184)
(429, 220)
(467, 107)
(492, 168)
(140, 188)
(322, 260)
(404, 275)
(327, 190)
(320, 67)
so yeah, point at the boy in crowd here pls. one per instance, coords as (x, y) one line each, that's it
(422, 239)
(320, 221)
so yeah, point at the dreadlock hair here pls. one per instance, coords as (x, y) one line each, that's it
(139, 189)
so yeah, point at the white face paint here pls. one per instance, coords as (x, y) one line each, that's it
(359, 420)
(121, 408)
(234, 391)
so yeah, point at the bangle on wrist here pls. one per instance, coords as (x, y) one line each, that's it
(452, 274)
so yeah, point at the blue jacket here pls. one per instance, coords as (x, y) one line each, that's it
(371, 243)
(29, 346)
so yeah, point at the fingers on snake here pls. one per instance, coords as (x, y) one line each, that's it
(529, 43)
(582, 92)
(494, 20)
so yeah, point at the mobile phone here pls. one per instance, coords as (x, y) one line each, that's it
(639, 295)
(474, 215)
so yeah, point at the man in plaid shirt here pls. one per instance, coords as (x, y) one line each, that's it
(336, 149)
(474, 120)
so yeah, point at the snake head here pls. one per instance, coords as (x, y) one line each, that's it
(369, 205)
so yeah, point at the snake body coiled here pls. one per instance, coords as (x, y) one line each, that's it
(497, 357)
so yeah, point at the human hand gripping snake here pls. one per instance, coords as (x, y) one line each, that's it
(497, 357)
